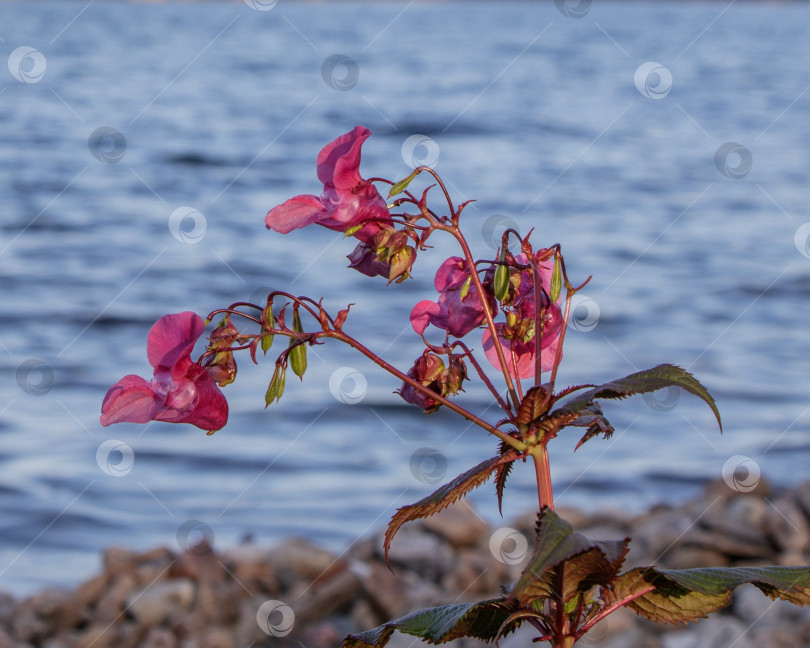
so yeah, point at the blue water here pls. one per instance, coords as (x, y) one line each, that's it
(536, 115)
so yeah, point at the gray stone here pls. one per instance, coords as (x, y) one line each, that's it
(157, 603)
(297, 559)
(751, 605)
(787, 525)
(426, 554)
(459, 524)
(159, 638)
(711, 633)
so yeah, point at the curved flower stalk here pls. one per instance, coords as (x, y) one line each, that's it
(513, 308)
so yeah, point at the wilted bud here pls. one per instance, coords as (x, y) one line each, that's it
(364, 259)
(223, 335)
(456, 374)
(428, 370)
(221, 367)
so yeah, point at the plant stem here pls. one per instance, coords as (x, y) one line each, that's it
(487, 312)
(538, 324)
(509, 440)
(545, 493)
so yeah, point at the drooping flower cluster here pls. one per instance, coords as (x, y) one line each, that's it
(504, 298)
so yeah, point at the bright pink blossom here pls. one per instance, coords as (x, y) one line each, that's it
(181, 391)
(456, 315)
(347, 199)
(516, 336)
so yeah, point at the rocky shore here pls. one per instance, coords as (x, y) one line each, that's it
(296, 594)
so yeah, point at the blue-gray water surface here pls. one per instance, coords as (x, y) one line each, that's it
(666, 147)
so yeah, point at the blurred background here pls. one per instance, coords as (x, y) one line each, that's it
(666, 146)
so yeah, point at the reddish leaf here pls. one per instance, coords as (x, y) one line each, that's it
(534, 404)
(445, 496)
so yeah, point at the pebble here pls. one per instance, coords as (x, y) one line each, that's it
(210, 599)
(158, 602)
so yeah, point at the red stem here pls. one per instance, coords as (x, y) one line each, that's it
(545, 493)
(538, 324)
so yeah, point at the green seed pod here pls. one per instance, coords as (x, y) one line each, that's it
(298, 356)
(556, 280)
(267, 340)
(502, 278)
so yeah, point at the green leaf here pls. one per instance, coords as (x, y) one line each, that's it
(584, 564)
(444, 496)
(665, 375)
(683, 595)
(298, 354)
(482, 620)
(400, 186)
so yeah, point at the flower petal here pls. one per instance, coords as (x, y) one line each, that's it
(295, 213)
(171, 340)
(451, 274)
(210, 412)
(523, 354)
(130, 400)
(422, 314)
(339, 161)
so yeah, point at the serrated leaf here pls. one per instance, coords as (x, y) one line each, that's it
(534, 405)
(445, 495)
(682, 595)
(501, 474)
(482, 620)
(592, 418)
(558, 548)
(401, 185)
(641, 382)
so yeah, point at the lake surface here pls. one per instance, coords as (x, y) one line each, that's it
(665, 146)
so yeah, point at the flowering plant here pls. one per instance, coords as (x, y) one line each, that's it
(519, 304)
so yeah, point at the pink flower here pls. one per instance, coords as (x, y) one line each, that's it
(347, 199)
(456, 315)
(181, 391)
(516, 336)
